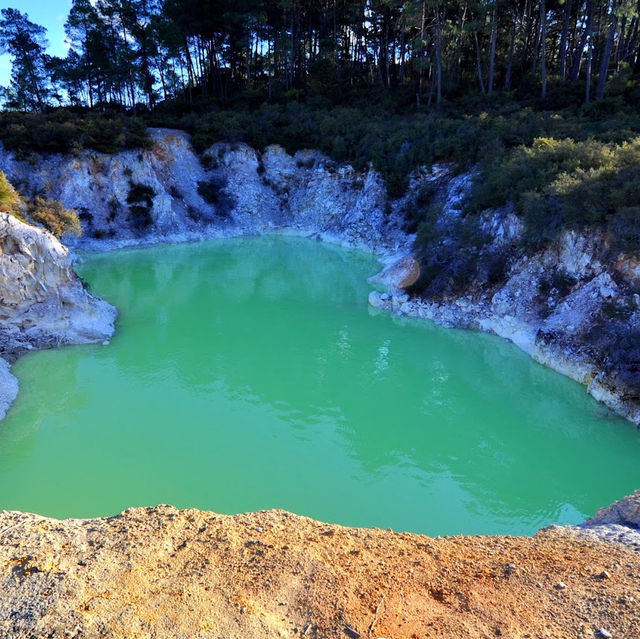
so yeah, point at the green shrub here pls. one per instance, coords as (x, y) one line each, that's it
(213, 191)
(625, 228)
(53, 216)
(67, 131)
(140, 201)
(42, 211)
(421, 211)
(559, 184)
(209, 191)
(9, 198)
(558, 282)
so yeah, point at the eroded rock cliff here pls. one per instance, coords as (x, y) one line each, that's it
(168, 192)
(42, 301)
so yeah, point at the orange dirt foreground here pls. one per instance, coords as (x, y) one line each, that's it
(161, 572)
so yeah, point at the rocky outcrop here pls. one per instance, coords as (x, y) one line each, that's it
(99, 186)
(42, 301)
(160, 572)
(616, 524)
(168, 192)
(625, 512)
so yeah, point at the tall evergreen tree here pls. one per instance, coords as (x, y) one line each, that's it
(26, 43)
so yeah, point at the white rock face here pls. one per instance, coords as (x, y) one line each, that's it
(42, 301)
(307, 192)
(98, 185)
(248, 192)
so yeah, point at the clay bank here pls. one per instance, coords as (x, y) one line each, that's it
(160, 572)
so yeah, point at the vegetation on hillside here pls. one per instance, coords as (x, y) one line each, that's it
(53, 216)
(44, 212)
(70, 131)
(140, 201)
(9, 198)
(539, 95)
(557, 184)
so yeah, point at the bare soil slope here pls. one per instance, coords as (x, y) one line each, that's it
(160, 572)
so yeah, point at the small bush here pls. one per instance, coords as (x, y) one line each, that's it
(53, 216)
(619, 350)
(456, 256)
(114, 209)
(558, 283)
(213, 191)
(175, 192)
(209, 191)
(422, 210)
(140, 201)
(9, 197)
(208, 162)
(625, 228)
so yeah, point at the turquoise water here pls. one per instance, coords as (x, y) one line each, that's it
(250, 374)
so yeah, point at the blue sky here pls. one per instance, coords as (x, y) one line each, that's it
(51, 14)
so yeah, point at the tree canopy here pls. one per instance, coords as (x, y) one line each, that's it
(138, 53)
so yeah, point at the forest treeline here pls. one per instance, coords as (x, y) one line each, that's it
(139, 53)
(539, 98)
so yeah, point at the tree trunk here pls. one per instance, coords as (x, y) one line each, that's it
(587, 93)
(584, 42)
(512, 44)
(438, 57)
(536, 44)
(479, 64)
(543, 47)
(563, 38)
(492, 54)
(606, 54)
(420, 70)
(456, 73)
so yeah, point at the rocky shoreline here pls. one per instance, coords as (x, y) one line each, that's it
(43, 303)
(564, 357)
(548, 304)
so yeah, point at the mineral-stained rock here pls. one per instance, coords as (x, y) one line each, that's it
(162, 573)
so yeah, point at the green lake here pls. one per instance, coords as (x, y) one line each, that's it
(250, 373)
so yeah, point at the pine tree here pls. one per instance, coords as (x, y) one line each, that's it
(25, 41)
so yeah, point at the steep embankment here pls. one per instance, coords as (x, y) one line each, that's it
(167, 192)
(161, 572)
(42, 301)
(573, 306)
